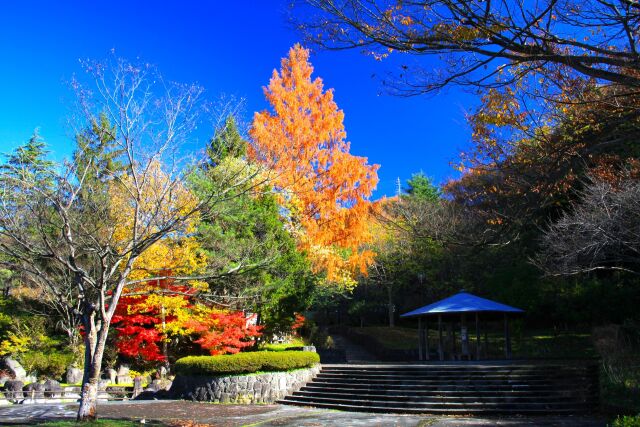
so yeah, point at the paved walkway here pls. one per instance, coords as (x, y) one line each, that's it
(186, 413)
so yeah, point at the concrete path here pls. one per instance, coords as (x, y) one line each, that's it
(182, 412)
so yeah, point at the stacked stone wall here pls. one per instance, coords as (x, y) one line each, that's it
(254, 388)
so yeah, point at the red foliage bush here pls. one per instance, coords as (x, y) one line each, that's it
(225, 332)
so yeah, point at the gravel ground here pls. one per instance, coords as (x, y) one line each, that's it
(207, 414)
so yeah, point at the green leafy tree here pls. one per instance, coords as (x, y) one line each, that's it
(97, 151)
(252, 255)
(227, 142)
(29, 161)
(422, 187)
(405, 257)
(65, 230)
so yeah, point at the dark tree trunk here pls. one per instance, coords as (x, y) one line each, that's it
(392, 321)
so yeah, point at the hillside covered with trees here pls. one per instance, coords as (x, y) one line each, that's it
(146, 245)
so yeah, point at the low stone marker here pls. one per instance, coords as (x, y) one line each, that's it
(111, 375)
(74, 375)
(122, 376)
(13, 391)
(34, 393)
(137, 387)
(15, 369)
(53, 389)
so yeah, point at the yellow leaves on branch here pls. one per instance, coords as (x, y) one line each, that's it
(302, 141)
(14, 344)
(144, 205)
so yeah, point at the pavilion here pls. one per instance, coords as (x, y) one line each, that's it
(459, 307)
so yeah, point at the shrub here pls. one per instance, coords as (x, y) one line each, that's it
(246, 363)
(627, 421)
(52, 364)
(294, 344)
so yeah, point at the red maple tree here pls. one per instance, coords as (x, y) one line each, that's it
(225, 332)
(139, 331)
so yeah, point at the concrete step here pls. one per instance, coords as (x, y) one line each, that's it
(451, 394)
(449, 369)
(457, 366)
(437, 404)
(428, 382)
(445, 411)
(538, 399)
(452, 389)
(448, 377)
(463, 392)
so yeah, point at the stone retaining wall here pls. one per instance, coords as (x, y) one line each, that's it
(253, 388)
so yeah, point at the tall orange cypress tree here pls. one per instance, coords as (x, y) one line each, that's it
(325, 188)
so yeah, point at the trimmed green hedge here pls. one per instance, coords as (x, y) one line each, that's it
(280, 347)
(246, 363)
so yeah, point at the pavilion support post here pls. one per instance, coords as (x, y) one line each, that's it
(420, 338)
(486, 340)
(440, 348)
(452, 337)
(426, 337)
(464, 337)
(477, 336)
(507, 337)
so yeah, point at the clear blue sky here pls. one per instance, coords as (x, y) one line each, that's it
(229, 47)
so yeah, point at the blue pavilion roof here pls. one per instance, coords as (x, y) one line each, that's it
(462, 302)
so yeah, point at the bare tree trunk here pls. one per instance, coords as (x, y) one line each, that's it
(165, 347)
(89, 392)
(88, 402)
(95, 341)
(392, 322)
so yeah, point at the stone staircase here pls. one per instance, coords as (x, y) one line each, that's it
(354, 353)
(452, 389)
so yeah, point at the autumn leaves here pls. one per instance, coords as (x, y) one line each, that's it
(323, 188)
(323, 192)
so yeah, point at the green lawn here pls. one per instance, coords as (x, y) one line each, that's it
(527, 344)
(392, 338)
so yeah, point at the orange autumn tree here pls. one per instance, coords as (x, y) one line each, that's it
(323, 187)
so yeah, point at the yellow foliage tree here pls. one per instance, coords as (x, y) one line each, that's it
(325, 189)
(150, 287)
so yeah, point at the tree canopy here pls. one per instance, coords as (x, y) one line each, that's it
(324, 188)
(480, 42)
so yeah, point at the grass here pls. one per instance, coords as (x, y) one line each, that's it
(561, 345)
(392, 338)
(619, 398)
(620, 370)
(526, 344)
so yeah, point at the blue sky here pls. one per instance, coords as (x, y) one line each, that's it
(228, 47)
